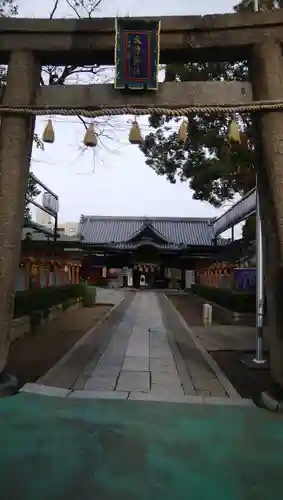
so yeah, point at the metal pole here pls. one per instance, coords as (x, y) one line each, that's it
(259, 355)
(55, 228)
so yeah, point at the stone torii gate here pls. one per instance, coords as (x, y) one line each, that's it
(27, 44)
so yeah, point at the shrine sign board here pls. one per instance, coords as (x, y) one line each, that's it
(137, 54)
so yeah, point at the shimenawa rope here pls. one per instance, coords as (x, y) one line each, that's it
(115, 111)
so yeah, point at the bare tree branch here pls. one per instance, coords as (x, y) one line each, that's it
(73, 8)
(83, 121)
(88, 7)
(95, 6)
(58, 75)
(54, 9)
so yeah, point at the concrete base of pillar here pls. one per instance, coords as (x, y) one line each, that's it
(8, 385)
(248, 361)
(272, 399)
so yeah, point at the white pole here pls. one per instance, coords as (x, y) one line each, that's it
(259, 356)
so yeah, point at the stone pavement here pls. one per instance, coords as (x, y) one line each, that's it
(108, 295)
(149, 355)
(138, 359)
(143, 351)
(206, 377)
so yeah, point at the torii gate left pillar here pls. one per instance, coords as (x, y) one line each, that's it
(16, 135)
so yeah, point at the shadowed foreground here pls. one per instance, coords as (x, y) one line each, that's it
(69, 449)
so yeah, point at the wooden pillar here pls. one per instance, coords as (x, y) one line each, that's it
(267, 80)
(27, 274)
(54, 274)
(73, 275)
(38, 276)
(16, 135)
(77, 275)
(48, 275)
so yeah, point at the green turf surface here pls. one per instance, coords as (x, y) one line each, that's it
(53, 448)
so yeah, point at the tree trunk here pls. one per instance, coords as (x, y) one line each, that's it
(267, 80)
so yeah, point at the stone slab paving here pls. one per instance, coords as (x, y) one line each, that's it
(150, 357)
(147, 354)
(68, 373)
(138, 358)
(133, 381)
(101, 383)
(204, 379)
(108, 296)
(142, 352)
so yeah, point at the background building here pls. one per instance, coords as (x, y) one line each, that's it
(66, 228)
(69, 228)
(164, 251)
(43, 218)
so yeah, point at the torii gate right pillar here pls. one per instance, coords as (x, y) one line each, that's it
(267, 81)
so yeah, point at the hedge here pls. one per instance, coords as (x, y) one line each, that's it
(241, 302)
(42, 299)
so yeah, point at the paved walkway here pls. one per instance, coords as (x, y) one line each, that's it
(108, 295)
(138, 359)
(145, 354)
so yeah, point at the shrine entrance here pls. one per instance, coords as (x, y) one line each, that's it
(153, 276)
(26, 45)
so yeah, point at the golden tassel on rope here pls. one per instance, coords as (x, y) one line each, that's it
(48, 134)
(183, 131)
(135, 136)
(234, 132)
(90, 138)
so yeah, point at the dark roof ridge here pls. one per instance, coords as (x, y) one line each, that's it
(147, 223)
(152, 219)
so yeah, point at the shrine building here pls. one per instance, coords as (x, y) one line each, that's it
(158, 252)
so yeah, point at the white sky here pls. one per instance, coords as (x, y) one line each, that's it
(113, 179)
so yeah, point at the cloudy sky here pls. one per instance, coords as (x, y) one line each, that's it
(112, 179)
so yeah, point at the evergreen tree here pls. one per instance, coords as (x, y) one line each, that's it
(32, 192)
(214, 170)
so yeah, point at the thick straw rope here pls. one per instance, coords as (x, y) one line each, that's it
(73, 111)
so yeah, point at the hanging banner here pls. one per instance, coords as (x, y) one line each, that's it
(137, 54)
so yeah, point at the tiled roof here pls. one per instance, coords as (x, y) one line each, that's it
(128, 245)
(177, 231)
(154, 233)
